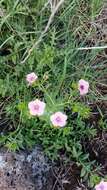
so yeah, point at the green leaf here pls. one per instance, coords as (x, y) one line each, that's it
(83, 172)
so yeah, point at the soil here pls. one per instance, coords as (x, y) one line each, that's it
(97, 149)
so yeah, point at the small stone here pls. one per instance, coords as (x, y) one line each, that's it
(2, 162)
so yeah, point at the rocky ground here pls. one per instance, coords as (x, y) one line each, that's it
(24, 171)
(34, 171)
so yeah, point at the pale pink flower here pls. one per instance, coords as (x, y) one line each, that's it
(58, 119)
(36, 107)
(83, 87)
(31, 78)
(101, 186)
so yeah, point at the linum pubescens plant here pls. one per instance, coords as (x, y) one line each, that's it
(38, 108)
(54, 125)
(43, 119)
(51, 112)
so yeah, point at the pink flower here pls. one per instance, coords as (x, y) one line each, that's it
(83, 87)
(36, 107)
(58, 119)
(31, 78)
(101, 186)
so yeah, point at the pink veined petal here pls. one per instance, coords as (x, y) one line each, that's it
(58, 119)
(101, 186)
(83, 87)
(36, 107)
(31, 105)
(31, 78)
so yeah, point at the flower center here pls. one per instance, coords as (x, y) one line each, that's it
(82, 87)
(58, 119)
(36, 107)
(101, 187)
(31, 78)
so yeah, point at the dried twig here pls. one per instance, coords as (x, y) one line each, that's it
(58, 180)
(92, 48)
(44, 31)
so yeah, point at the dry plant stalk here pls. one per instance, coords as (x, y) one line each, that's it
(2, 12)
(56, 8)
(53, 4)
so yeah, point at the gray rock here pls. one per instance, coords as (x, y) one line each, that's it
(25, 171)
(41, 169)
